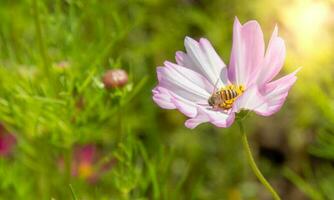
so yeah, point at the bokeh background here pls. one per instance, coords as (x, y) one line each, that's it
(63, 135)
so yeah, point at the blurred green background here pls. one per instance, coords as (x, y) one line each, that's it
(61, 127)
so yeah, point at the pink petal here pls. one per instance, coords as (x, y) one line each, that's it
(251, 99)
(274, 59)
(184, 60)
(217, 118)
(7, 142)
(184, 82)
(186, 107)
(247, 52)
(162, 97)
(276, 92)
(194, 122)
(202, 58)
(169, 100)
(85, 153)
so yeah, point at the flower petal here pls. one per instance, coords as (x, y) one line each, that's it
(184, 82)
(247, 52)
(202, 58)
(274, 59)
(194, 122)
(251, 99)
(217, 118)
(169, 100)
(184, 60)
(162, 97)
(277, 91)
(181, 88)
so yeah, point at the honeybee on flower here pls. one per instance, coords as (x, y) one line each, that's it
(202, 87)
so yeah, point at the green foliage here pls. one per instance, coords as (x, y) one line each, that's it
(53, 54)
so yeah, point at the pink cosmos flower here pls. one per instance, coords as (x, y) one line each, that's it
(7, 142)
(87, 163)
(83, 162)
(203, 88)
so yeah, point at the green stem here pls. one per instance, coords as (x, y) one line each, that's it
(74, 196)
(253, 165)
(40, 39)
(68, 165)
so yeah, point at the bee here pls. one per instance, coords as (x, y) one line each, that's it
(225, 97)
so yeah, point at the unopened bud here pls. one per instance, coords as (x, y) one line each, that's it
(115, 78)
(64, 64)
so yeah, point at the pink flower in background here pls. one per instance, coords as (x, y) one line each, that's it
(83, 162)
(201, 86)
(7, 142)
(86, 163)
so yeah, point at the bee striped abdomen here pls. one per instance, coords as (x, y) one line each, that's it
(229, 94)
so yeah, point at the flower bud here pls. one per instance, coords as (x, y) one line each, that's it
(63, 64)
(115, 78)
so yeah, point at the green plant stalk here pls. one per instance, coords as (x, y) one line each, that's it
(253, 165)
(40, 39)
(68, 165)
(74, 196)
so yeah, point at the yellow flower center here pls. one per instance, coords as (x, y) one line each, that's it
(85, 170)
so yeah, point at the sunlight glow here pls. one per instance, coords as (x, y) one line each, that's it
(307, 21)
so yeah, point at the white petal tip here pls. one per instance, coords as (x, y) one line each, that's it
(188, 39)
(297, 70)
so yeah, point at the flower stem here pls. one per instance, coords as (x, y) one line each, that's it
(40, 38)
(253, 165)
(68, 165)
